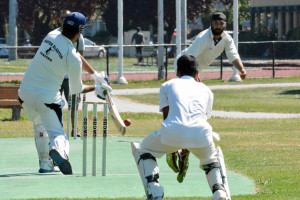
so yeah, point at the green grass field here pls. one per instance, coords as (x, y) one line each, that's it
(265, 150)
(157, 83)
(99, 64)
(273, 100)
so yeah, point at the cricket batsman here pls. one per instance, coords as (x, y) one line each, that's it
(39, 91)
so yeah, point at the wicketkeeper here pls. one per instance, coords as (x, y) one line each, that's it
(39, 91)
(207, 46)
(186, 105)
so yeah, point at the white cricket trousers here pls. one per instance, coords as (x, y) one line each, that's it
(47, 114)
(152, 144)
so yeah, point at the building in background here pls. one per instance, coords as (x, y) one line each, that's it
(93, 27)
(278, 16)
(130, 51)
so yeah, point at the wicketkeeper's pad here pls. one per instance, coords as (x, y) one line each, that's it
(149, 172)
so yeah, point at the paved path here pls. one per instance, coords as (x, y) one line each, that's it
(129, 106)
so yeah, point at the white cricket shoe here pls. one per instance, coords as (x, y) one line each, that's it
(56, 169)
(46, 166)
(219, 195)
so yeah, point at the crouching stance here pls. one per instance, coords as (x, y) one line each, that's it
(186, 105)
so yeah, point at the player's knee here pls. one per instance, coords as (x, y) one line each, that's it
(146, 156)
(208, 167)
(39, 131)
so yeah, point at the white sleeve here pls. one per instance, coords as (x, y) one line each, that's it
(210, 104)
(75, 70)
(195, 49)
(231, 51)
(163, 98)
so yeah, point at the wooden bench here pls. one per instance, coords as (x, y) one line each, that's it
(26, 52)
(9, 99)
(149, 53)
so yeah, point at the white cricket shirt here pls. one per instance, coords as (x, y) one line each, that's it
(190, 105)
(206, 51)
(55, 58)
(81, 46)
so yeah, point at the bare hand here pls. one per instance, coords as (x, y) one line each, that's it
(243, 74)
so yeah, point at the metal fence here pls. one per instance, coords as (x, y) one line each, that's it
(261, 59)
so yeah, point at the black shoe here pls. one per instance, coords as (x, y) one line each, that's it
(62, 163)
(72, 133)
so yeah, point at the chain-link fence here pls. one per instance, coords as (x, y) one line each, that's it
(261, 59)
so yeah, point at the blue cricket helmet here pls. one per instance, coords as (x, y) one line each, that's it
(76, 20)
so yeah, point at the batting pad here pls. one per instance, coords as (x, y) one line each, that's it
(148, 170)
(41, 142)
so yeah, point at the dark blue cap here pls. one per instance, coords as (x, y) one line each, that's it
(218, 16)
(76, 20)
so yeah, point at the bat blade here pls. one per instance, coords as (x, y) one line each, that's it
(116, 118)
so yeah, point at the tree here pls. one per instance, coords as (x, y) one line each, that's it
(3, 17)
(38, 17)
(144, 13)
(244, 12)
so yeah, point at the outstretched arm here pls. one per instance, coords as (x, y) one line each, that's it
(239, 65)
(98, 77)
(86, 66)
(88, 88)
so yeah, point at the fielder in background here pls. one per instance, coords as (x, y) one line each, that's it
(207, 46)
(186, 105)
(210, 43)
(79, 46)
(39, 91)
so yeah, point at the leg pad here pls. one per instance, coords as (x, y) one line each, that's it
(207, 168)
(149, 172)
(218, 187)
(146, 156)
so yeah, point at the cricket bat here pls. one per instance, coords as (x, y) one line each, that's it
(115, 114)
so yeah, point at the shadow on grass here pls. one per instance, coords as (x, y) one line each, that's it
(10, 119)
(6, 120)
(26, 174)
(290, 92)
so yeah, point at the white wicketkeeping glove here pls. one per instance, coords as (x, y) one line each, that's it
(100, 78)
(100, 90)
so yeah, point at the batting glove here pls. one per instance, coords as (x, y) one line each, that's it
(101, 90)
(100, 78)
